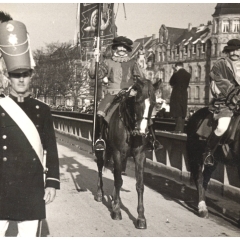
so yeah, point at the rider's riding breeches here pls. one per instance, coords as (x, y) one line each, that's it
(222, 127)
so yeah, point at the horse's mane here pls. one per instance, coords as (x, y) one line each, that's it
(126, 110)
(146, 92)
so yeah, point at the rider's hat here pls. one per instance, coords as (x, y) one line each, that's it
(232, 45)
(15, 46)
(122, 41)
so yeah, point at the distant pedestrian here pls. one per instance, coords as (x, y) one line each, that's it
(179, 96)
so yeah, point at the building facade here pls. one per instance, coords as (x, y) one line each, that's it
(197, 47)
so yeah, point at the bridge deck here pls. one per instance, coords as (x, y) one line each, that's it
(74, 212)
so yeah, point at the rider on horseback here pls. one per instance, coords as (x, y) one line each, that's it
(225, 88)
(120, 73)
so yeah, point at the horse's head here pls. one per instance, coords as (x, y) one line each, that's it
(145, 101)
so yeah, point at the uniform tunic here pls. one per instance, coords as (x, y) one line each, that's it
(21, 172)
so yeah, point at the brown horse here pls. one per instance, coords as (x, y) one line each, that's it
(126, 136)
(195, 148)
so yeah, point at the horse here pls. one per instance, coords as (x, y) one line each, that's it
(125, 136)
(195, 148)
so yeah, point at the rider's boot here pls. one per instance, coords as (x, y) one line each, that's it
(153, 144)
(212, 143)
(100, 144)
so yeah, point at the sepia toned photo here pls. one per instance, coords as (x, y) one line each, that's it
(119, 119)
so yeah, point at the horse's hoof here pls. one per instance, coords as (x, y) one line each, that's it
(98, 198)
(141, 224)
(203, 214)
(116, 215)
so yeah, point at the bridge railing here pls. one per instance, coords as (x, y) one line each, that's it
(171, 161)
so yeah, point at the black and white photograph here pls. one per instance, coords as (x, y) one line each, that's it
(120, 119)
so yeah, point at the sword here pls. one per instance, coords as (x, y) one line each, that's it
(45, 169)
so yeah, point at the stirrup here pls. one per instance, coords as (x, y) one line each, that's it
(160, 146)
(100, 145)
(208, 162)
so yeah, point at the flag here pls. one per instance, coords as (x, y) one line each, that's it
(89, 22)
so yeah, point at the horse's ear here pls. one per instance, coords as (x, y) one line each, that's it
(138, 80)
(157, 84)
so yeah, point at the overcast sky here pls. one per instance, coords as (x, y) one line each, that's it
(52, 22)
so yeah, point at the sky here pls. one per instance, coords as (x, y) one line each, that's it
(56, 22)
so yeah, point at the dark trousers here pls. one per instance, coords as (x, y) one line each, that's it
(179, 124)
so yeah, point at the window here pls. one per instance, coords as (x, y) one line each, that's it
(215, 26)
(186, 49)
(194, 48)
(225, 26)
(197, 92)
(190, 70)
(189, 92)
(198, 73)
(178, 50)
(235, 25)
(204, 47)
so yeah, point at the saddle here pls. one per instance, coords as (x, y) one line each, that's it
(120, 97)
(209, 124)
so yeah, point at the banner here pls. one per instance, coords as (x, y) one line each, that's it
(89, 20)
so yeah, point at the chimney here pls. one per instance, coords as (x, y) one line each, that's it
(189, 27)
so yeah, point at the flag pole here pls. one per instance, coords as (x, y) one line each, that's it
(97, 56)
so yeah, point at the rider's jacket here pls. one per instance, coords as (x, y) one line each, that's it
(224, 86)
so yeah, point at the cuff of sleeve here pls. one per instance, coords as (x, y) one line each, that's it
(53, 183)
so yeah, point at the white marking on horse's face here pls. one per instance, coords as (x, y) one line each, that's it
(144, 122)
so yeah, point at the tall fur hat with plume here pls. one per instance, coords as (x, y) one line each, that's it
(15, 44)
(5, 17)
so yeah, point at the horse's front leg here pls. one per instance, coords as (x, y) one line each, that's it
(139, 169)
(202, 183)
(202, 207)
(116, 209)
(100, 163)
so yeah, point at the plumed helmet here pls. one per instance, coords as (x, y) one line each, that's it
(232, 45)
(15, 46)
(122, 41)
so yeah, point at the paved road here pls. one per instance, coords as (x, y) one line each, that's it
(170, 208)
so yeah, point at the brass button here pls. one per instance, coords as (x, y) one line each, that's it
(4, 136)
(34, 159)
(4, 159)
(4, 147)
(37, 107)
(3, 114)
(38, 115)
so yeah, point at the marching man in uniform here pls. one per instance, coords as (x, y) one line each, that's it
(26, 133)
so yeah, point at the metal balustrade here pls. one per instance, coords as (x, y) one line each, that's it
(171, 161)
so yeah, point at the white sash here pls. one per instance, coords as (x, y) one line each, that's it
(24, 123)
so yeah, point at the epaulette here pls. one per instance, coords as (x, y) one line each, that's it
(41, 101)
